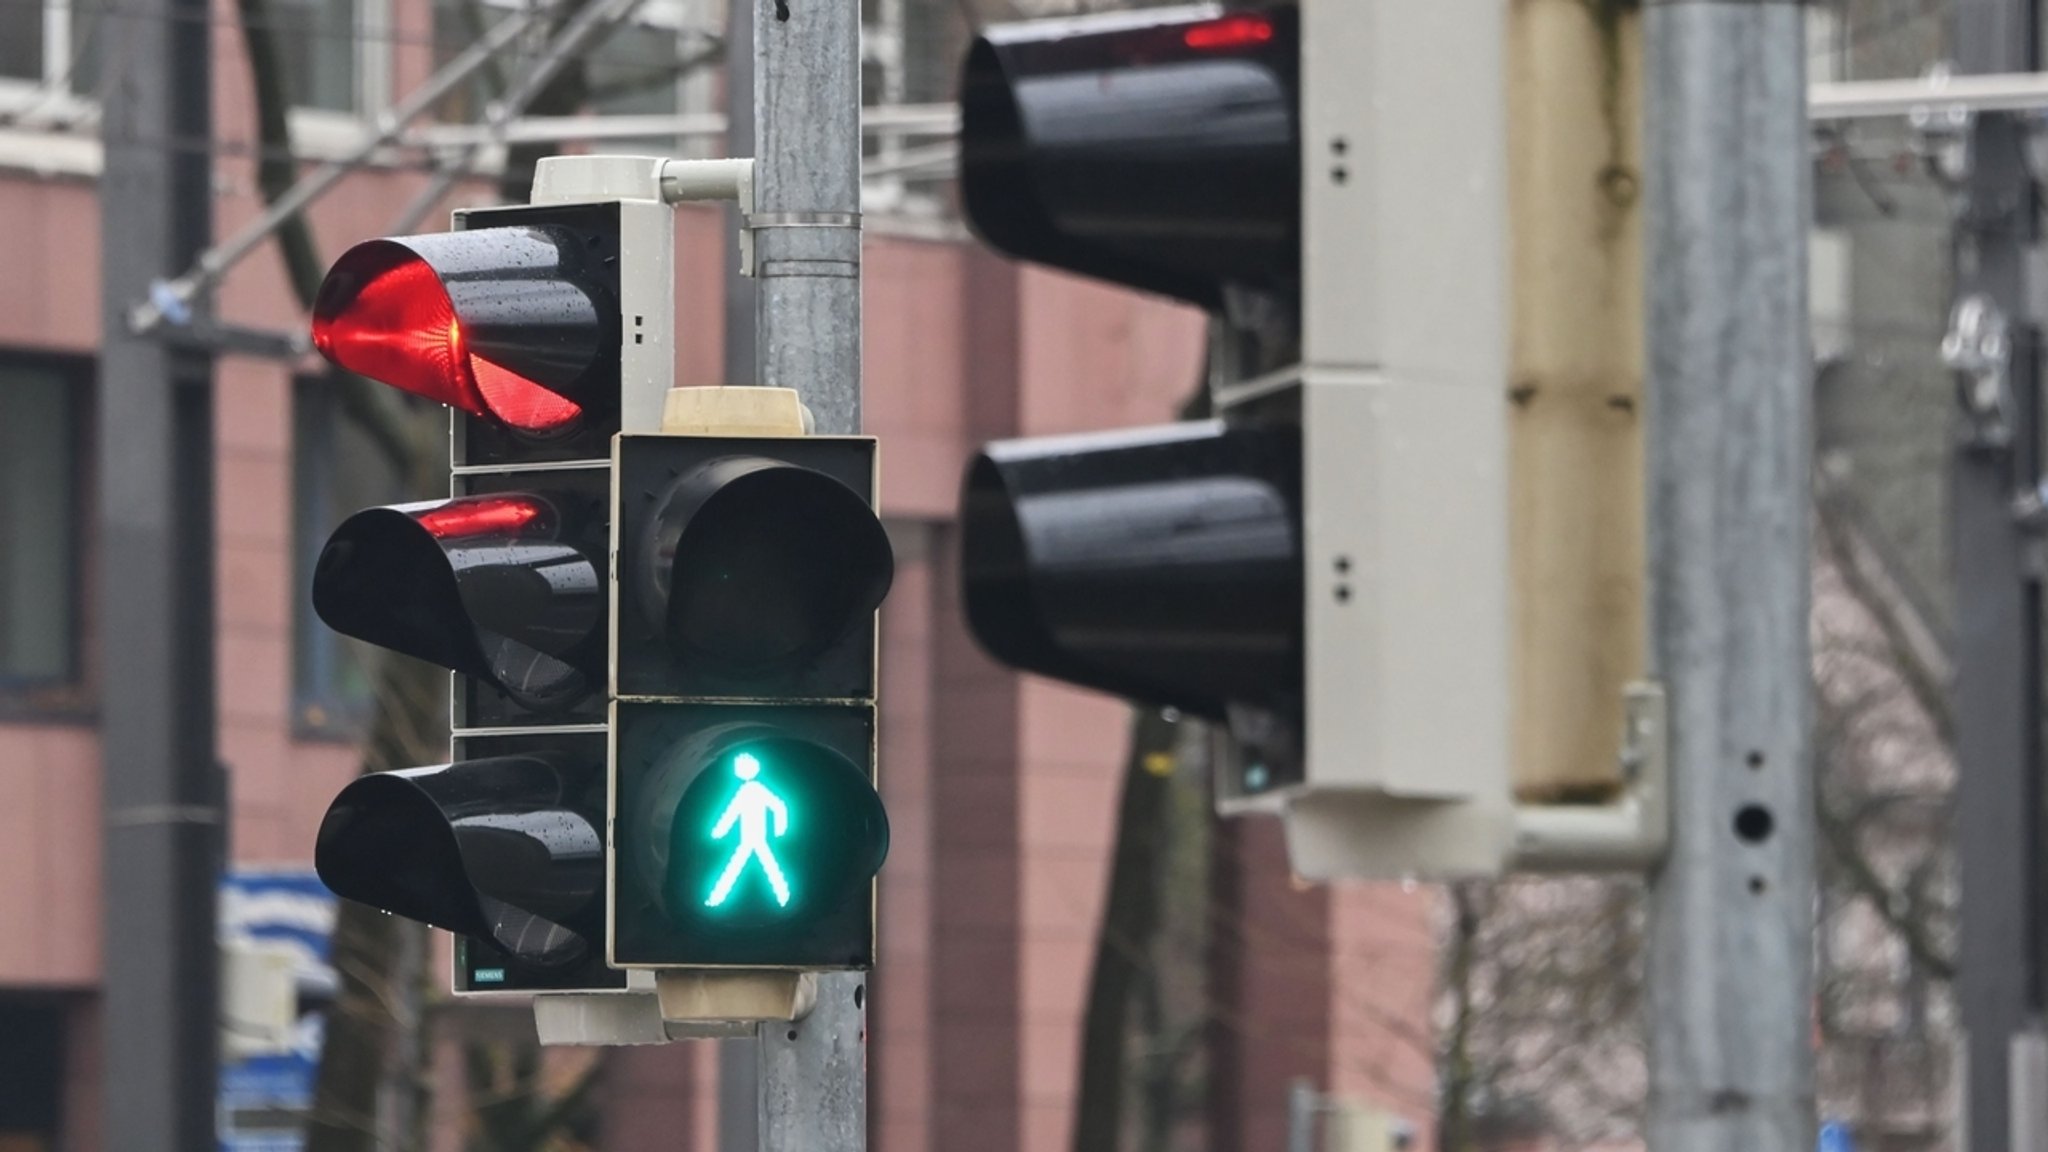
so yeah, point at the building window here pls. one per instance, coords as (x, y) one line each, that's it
(318, 46)
(659, 62)
(53, 45)
(31, 1073)
(334, 52)
(910, 54)
(41, 514)
(337, 470)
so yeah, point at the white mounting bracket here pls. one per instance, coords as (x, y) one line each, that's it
(700, 180)
(566, 179)
(1629, 834)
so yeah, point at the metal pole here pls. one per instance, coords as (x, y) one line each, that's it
(162, 791)
(739, 1080)
(742, 366)
(806, 222)
(1731, 921)
(1997, 690)
(806, 217)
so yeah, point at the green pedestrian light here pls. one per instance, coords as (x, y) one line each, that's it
(745, 838)
(748, 814)
(747, 830)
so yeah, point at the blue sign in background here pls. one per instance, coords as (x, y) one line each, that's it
(264, 1098)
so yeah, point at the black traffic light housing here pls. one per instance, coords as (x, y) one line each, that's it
(747, 829)
(1161, 150)
(1158, 149)
(507, 848)
(515, 321)
(1162, 564)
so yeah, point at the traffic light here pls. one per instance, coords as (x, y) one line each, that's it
(1158, 149)
(747, 830)
(545, 328)
(1324, 569)
(1084, 562)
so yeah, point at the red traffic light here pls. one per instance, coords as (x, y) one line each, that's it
(1239, 30)
(502, 323)
(482, 516)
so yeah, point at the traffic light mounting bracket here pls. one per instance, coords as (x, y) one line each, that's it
(1401, 767)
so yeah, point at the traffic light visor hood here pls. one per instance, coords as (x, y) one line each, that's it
(486, 848)
(1158, 149)
(1161, 564)
(478, 585)
(507, 324)
(759, 565)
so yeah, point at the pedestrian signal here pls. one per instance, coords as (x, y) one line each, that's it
(747, 815)
(746, 828)
(745, 835)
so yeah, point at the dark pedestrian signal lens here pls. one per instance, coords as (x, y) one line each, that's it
(757, 565)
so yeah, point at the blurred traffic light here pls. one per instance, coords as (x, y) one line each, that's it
(1161, 563)
(1325, 568)
(1158, 149)
(746, 824)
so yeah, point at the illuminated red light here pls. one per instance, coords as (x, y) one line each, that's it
(383, 313)
(1239, 31)
(482, 516)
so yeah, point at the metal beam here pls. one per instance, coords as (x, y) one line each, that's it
(577, 32)
(1994, 92)
(210, 266)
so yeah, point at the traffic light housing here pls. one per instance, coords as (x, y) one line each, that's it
(747, 829)
(1158, 148)
(1082, 563)
(545, 329)
(1324, 569)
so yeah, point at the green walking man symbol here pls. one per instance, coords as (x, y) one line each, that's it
(748, 811)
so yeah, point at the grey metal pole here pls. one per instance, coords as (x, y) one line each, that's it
(739, 1080)
(1731, 921)
(1997, 692)
(740, 297)
(162, 792)
(806, 222)
(806, 217)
